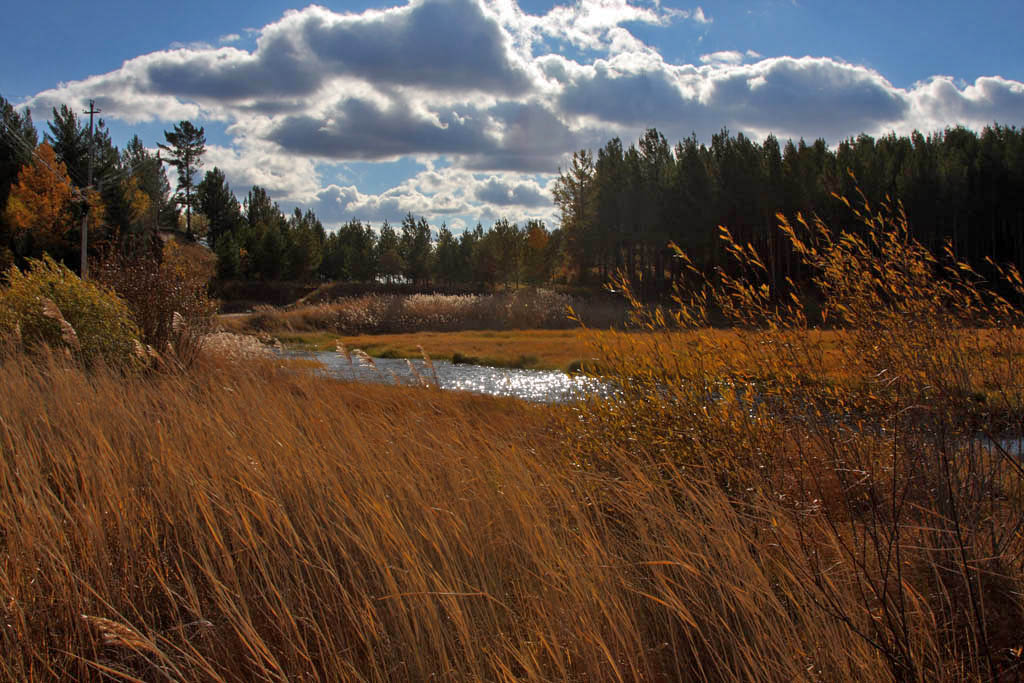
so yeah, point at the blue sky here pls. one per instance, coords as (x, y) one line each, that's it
(463, 110)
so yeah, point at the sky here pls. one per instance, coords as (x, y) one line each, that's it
(463, 111)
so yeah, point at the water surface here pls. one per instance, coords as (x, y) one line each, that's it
(544, 386)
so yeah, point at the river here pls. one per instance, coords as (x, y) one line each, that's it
(543, 386)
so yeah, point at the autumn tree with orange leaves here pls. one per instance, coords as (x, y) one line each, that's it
(40, 207)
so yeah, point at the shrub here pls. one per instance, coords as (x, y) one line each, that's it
(51, 306)
(157, 287)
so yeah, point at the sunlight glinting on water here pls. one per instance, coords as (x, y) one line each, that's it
(542, 386)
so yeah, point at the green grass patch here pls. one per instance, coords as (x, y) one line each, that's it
(308, 341)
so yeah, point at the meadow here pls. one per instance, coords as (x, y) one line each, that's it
(789, 504)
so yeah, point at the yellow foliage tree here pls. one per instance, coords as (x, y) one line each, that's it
(137, 203)
(40, 201)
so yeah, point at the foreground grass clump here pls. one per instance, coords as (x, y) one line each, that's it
(877, 454)
(50, 306)
(233, 524)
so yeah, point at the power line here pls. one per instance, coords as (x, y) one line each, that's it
(14, 136)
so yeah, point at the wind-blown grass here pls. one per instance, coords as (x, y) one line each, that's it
(232, 524)
(874, 450)
(741, 519)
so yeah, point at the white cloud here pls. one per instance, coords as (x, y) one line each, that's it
(937, 102)
(722, 57)
(249, 163)
(481, 84)
(196, 45)
(451, 195)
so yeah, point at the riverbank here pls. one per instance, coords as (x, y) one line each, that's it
(525, 349)
(828, 356)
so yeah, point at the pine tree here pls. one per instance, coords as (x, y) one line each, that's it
(414, 248)
(70, 143)
(218, 203)
(575, 195)
(389, 261)
(186, 145)
(18, 139)
(446, 265)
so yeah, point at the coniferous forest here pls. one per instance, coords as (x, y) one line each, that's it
(620, 207)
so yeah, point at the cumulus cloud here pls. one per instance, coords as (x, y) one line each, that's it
(362, 129)
(723, 57)
(640, 95)
(450, 194)
(251, 162)
(496, 191)
(591, 24)
(497, 93)
(789, 95)
(938, 101)
(437, 44)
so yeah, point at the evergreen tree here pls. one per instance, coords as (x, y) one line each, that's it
(414, 248)
(389, 260)
(70, 142)
(229, 257)
(306, 237)
(269, 259)
(186, 145)
(18, 140)
(446, 261)
(217, 202)
(152, 179)
(260, 209)
(468, 241)
(575, 194)
(358, 248)
(508, 245)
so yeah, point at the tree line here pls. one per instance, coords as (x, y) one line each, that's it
(253, 239)
(620, 208)
(44, 193)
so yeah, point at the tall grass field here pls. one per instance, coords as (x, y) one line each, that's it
(739, 511)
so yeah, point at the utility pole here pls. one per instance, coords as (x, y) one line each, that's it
(85, 219)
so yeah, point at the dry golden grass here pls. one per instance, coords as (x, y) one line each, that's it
(526, 308)
(734, 513)
(878, 445)
(238, 525)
